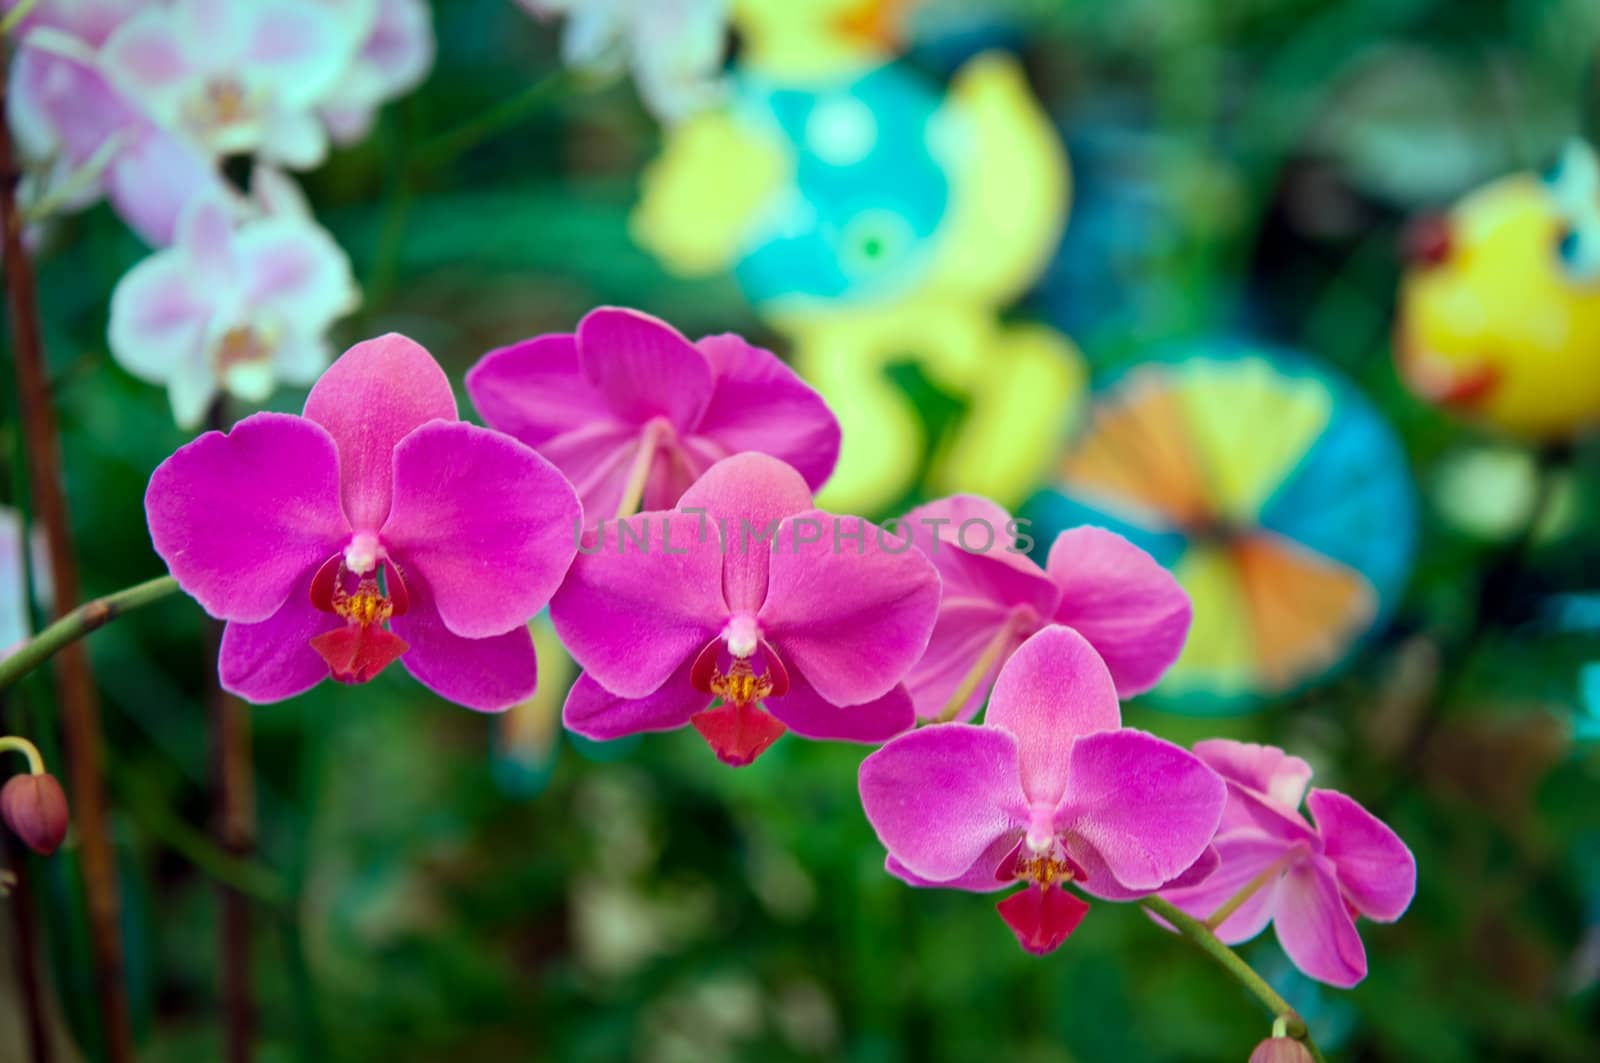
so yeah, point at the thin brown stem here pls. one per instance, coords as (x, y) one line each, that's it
(235, 827)
(26, 931)
(80, 707)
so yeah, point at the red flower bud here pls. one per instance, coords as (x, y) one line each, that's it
(35, 809)
(1281, 1050)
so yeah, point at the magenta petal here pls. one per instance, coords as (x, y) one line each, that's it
(1053, 689)
(940, 796)
(535, 390)
(744, 499)
(1042, 917)
(489, 675)
(849, 609)
(979, 878)
(808, 714)
(1315, 929)
(597, 460)
(968, 538)
(961, 635)
(487, 521)
(1100, 882)
(1376, 870)
(594, 712)
(759, 403)
(369, 399)
(273, 660)
(1241, 857)
(1146, 806)
(1132, 611)
(241, 518)
(1273, 774)
(643, 366)
(631, 615)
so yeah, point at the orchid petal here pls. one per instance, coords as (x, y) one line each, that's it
(970, 541)
(810, 715)
(241, 518)
(486, 520)
(370, 398)
(535, 390)
(632, 614)
(1315, 929)
(1132, 611)
(981, 877)
(1242, 856)
(939, 797)
(1042, 917)
(489, 674)
(594, 712)
(273, 659)
(759, 403)
(159, 317)
(1147, 807)
(297, 267)
(1375, 869)
(643, 366)
(1054, 689)
(961, 635)
(1273, 774)
(744, 499)
(851, 613)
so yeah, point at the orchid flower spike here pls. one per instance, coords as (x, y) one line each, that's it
(377, 527)
(748, 595)
(634, 413)
(1050, 791)
(84, 137)
(396, 53)
(235, 305)
(1308, 879)
(236, 78)
(1129, 608)
(674, 47)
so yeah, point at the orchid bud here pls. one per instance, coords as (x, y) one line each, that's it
(35, 808)
(1281, 1050)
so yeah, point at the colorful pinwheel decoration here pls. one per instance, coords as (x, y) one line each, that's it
(1500, 307)
(882, 221)
(1276, 494)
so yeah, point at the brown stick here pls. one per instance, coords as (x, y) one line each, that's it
(236, 830)
(80, 708)
(27, 935)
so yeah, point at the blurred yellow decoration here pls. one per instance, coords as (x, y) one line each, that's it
(1500, 305)
(877, 221)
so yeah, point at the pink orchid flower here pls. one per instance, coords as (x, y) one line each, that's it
(634, 413)
(310, 534)
(1132, 611)
(1309, 879)
(674, 47)
(86, 139)
(233, 306)
(236, 77)
(396, 54)
(91, 21)
(1050, 790)
(748, 594)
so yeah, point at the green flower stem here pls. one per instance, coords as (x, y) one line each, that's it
(12, 744)
(1202, 937)
(78, 623)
